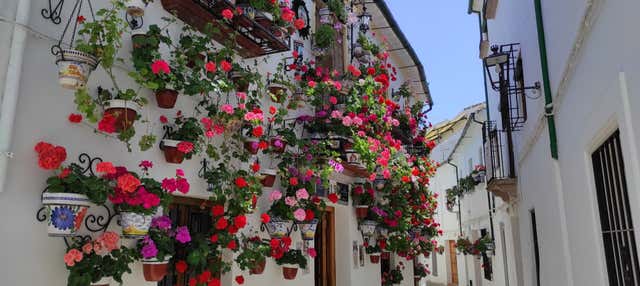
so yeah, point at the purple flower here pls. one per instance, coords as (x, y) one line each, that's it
(277, 143)
(336, 166)
(321, 113)
(161, 222)
(379, 211)
(149, 250)
(182, 234)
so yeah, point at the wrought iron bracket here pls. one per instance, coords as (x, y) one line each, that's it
(52, 12)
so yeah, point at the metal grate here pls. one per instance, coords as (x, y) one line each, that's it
(497, 159)
(615, 214)
(510, 84)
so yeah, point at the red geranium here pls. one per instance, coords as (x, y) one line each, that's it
(299, 24)
(265, 218)
(222, 223)
(107, 124)
(217, 210)
(227, 14)
(50, 157)
(240, 221)
(257, 131)
(333, 197)
(181, 266)
(240, 279)
(75, 118)
(226, 66)
(241, 182)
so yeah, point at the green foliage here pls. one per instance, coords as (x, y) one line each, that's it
(85, 104)
(338, 9)
(368, 45)
(324, 36)
(371, 249)
(96, 188)
(294, 257)
(190, 130)
(146, 142)
(103, 37)
(254, 251)
(477, 247)
(93, 267)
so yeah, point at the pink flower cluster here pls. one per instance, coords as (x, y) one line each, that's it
(179, 183)
(103, 245)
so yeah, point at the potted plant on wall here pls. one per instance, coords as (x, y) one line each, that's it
(394, 276)
(420, 271)
(70, 192)
(136, 7)
(182, 140)
(253, 254)
(323, 38)
(290, 262)
(279, 86)
(281, 215)
(374, 253)
(99, 261)
(362, 200)
(157, 247)
(478, 173)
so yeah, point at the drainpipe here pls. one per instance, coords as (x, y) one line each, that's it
(457, 182)
(484, 75)
(548, 98)
(12, 86)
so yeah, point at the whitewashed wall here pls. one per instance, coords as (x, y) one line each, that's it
(41, 115)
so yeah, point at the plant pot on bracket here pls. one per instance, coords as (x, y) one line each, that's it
(258, 268)
(74, 68)
(166, 98)
(374, 257)
(268, 177)
(135, 7)
(278, 227)
(66, 212)
(135, 224)
(326, 16)
(154, 270)
(125, 112)
(308, 229)
(237, 78)
(252, 146)
(362, 211)
(277, 92)
(289, 271)
(279, 145)
(171, 153)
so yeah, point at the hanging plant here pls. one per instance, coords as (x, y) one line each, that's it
(324, 37)
(253, 254)
(477, 247)
(183, 139)
(290, 262)
(157, 248)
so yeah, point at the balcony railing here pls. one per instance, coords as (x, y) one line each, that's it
(501, 174)
(252, 38)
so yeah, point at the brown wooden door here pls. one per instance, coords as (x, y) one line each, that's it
(325, 266)
(454, 262)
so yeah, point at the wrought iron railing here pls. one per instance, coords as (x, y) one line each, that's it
(498, 158)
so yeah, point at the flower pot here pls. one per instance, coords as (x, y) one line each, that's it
(278, 147)
(135, 7)
(237, 79)
(74, 68)
(374, 258)
(362, 211)
(155, 270)
(278, 92)
(125, 112)
(278, 228)
(66, 212)
(385, 255)
(135, 224)
(368, 228)
(358, 50)
(166, 98)
(258, 268)
(289, 271)
(251, 146)
(171, 153)
(308, 229)
(269, 178)
(104, 281)
(326, 16)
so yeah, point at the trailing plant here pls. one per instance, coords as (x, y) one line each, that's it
(420, 270)
(324, 36)
(338, 9)
(477, 247)
(394, 276)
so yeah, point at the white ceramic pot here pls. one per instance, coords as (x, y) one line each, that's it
(74, 68)
(135, 224)
(120, 103)
(66, 212)
(135, 7)
(368, 227)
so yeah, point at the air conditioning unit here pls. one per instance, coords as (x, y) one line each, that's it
(491, 9)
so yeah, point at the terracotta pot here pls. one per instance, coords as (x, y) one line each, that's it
(374, 258)
(236, 78)
(259, 268)
(362, 211)
(251, 146)
(155, 270)
(171, 152)
(277, 149)
(125, 112)
(166, 98)
(289, 271)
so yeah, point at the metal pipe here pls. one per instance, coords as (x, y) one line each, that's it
(548, 98)
(12, 86)
(484, 75)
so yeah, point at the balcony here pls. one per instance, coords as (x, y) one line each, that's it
(252, 38)
(501, 175)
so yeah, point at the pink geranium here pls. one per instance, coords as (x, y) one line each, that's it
(275, 195)
(302, 194)
(299, 214)
(160, 66)
(227, 108)
(185, 147)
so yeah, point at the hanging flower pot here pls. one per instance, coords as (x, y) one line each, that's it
(289, 271)
(135, 7)
(125, 112)
(171, 152)
(166, 98)
(362, 211)
(74, 68)
(66, 212)
(155, 270)
(277, 91)
(368, 228)
(104, 281)
(374, 258)
(277, 227)
(135, 224)
(237, 78)
(258, 268)
(278, 145)
(326, 16)
(269, 177)
(251, 146)
(308, 229)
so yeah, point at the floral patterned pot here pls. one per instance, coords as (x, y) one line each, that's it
(374, 258)
(135, 7)
(171, 153)
(125, 112)
(368, 227)
(289, 271)
(362, 211)
(269, 178)
(326, 16)
(134, 224)
(277, 227)
(308, 229)
(259, 268)
(166, 98)
(104, 281)
(74, 68)
(66, 212)
(155, 270)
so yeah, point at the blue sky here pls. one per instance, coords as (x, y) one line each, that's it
(446, 40)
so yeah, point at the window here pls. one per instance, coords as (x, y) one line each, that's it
(487, 266)
(615, 215)
(195, 214)
(536, 250)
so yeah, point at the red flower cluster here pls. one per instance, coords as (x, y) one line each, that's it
(50, 157)
(279, 246)
(108, 123)
(75, 118)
